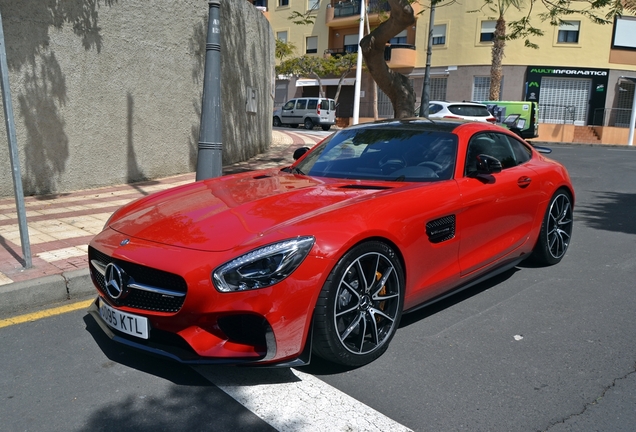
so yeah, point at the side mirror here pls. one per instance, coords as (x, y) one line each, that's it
(540, 149)
(488, 164)
(299, 152)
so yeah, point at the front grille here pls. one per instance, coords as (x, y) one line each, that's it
(141, 299)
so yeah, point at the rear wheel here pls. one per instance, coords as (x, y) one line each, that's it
(556, 230)
(360, 305)
(293, 125)
(326, 127)
(309, 124)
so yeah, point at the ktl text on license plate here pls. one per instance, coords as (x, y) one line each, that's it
(124, 322)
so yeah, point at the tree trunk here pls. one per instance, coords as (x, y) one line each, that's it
(498, 45)
(396, 86)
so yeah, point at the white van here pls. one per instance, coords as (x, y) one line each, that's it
(310, 112)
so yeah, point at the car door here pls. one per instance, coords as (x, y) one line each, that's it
(499, 208)
(287, 112)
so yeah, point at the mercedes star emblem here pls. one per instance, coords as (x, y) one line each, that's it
(116, 281)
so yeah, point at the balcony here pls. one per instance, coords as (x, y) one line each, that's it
(346, 13)
(396, 55)
(400, 56)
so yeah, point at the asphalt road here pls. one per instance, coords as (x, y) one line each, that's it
(549, 349)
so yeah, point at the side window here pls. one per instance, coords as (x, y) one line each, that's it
(502, 150)
(479, 144)
(312, 104)
(434, 108)
(301, 104)
(289, 105)
(522, 153)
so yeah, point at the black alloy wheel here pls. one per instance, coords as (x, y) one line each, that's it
(556, 230)
(360, 305)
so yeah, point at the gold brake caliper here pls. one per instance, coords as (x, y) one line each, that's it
(382, 292)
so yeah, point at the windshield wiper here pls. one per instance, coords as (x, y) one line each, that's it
(293, 170)
(400, 178)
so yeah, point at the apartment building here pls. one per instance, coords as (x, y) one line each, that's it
(583, 74)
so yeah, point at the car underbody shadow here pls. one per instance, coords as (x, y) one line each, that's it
(435, 306)
(160, 367)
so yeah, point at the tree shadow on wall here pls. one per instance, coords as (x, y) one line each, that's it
(27, 27)
(609, 211)
(196, 46)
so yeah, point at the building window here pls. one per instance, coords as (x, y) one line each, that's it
(399, 38)
(487, 31)
(351, 43)
(569, 32)
(312, 44)
(313, 5)
(481, 89)
(624, 30)
(281, 36)
(439, 34)
(283, 2)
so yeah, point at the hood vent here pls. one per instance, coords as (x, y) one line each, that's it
(365, 187)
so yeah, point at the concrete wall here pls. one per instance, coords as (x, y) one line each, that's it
(109, 91)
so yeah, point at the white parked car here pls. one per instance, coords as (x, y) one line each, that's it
(460, 110)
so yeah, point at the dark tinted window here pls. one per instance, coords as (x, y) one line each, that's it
(509, 151)
(301, 104)
(469, 110)
(384, 153)
(434, 108)
(312, 104)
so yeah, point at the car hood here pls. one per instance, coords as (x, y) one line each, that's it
(223, 213)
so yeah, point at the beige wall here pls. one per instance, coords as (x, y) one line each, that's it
(107, 92)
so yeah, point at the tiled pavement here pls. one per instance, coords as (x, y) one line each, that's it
(61, 226)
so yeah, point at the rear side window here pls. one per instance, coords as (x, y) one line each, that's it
(434, 108)
(301, 104)
(324, 104)
(469, 110)
(312, 104)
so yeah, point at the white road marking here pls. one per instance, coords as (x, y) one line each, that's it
(290, 400)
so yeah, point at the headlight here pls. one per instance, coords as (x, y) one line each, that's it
(262, 267)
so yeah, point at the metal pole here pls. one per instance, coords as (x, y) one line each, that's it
(356, 94)
(13, 152)
(632, 121)
(426, 88)
(210, 155)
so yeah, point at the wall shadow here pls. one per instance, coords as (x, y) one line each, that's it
(27, 26)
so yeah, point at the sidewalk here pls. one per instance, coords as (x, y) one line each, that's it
(61, 226)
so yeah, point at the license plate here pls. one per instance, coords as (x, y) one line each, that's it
(130, 324)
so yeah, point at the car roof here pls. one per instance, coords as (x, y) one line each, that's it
(458, 103)
(440, 125)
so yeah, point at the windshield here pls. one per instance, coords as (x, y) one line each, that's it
(384, 153)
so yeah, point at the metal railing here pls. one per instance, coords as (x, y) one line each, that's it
(615, 117)
(557, 114)
(389, 48)
(347, 8)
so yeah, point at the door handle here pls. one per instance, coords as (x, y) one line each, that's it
(524, 181)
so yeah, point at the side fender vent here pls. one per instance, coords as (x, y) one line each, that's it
(442, 229)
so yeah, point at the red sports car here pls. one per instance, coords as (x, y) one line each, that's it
(324, 256)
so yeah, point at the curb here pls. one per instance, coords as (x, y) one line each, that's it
(27, 295)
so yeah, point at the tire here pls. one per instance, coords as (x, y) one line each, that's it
(293, 126)
(556, 230)
(277, 122)
(360, 306)
(309, 124)
(326, 127)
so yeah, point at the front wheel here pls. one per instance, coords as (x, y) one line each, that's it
(556, 230)
(360, 306)
(277, 122)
